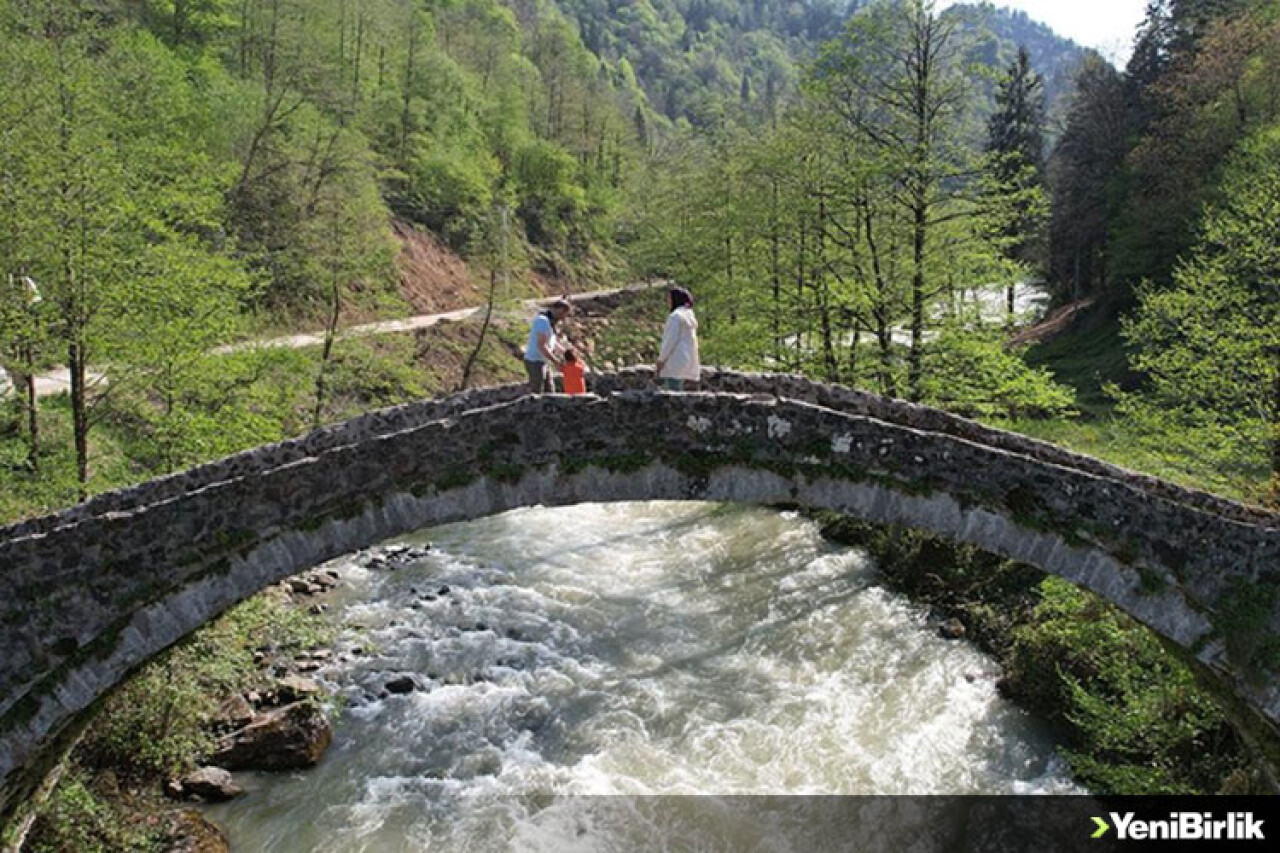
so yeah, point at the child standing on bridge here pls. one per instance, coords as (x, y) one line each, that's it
(573, 370)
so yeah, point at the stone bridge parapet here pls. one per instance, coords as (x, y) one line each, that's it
(90, 593)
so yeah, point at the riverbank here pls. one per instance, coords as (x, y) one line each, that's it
(234, 695)
(1131, 715)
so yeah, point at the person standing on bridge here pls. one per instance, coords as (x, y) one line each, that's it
(678, 367)
(540, 351)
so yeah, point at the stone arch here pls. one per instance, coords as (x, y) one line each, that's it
(89, 594)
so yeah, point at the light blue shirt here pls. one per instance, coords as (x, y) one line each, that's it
(541, 326)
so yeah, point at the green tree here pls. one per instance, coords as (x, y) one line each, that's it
(1015, 146)
(1084, 176)
(1210, 344)
(892, 77)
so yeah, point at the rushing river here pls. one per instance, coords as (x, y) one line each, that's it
(633, 649)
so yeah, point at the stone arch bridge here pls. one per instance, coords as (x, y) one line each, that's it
(90, 593)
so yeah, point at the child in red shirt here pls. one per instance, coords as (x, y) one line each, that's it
(573, 368)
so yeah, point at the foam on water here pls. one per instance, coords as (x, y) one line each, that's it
(638, 649)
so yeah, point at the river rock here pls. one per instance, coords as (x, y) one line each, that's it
(401, 684)
(188, 831)
(212, 784)
(287, 738)
(325, 580)
(302, 586)
(952, 629)
(295, 688)
(235, 713)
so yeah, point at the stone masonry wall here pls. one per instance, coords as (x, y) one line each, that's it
(90, 593)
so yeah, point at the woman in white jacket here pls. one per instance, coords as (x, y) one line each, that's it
(678, 366)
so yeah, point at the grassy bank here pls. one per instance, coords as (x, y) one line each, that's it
(1091, 358)
(157, 726)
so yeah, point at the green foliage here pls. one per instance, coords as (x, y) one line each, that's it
(1210, 344)
(1138, 722)
(450, 192)
(155, 725)
(975, 374)
(80, 819)
(550, 202)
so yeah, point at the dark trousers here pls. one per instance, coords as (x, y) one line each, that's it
(540, 381)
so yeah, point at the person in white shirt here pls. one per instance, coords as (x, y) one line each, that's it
(540, 350)
(678, 367)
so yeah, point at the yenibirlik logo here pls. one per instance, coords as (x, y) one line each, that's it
(1183, 826)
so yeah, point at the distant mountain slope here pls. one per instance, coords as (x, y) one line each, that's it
(693, 58)
(997, 33)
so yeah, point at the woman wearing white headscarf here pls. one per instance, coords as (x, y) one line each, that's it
(678, 366)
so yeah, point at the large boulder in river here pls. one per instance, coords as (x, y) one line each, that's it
(211, 784)
(287, 738)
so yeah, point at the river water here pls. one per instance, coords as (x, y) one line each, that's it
(633, 649)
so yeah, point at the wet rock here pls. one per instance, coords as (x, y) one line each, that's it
(287, 738)
(317, 609)
(211, 784)
(188, 831)
(1005, 688)
(295, 688)
(952, 629)
(302, 586)
(324, 580)
(401, 684)
(444, 590)
(235, 713)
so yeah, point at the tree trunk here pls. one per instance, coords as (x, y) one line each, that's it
(1274, 497)
(33, 408)
(831, 364)
(408, 91)
(915, 366)
(800, 274)
(359, 59)
(856, 328)
(79, 413)
(330, 333)
(484, 330)
(775, 241)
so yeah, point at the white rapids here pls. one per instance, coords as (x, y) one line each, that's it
(573, 664)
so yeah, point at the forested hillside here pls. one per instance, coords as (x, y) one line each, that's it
(1165, 189)
(174, 174)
